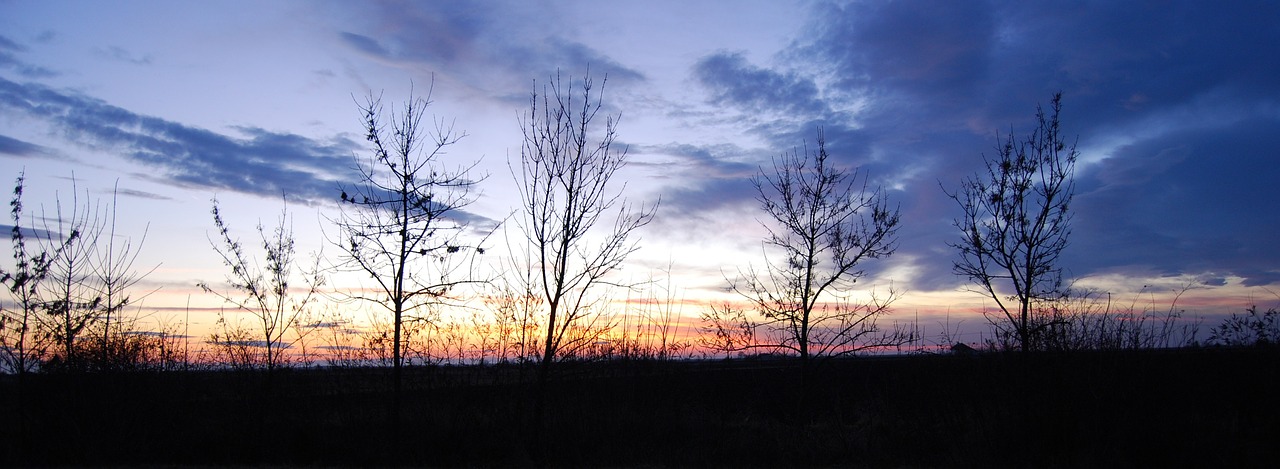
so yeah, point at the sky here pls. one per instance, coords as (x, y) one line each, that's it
(1174, 106)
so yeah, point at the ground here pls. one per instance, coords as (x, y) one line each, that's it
(1191, 407)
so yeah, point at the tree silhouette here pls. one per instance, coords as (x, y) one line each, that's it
(71, 303)
(264, 292)
(401, 226)
(22, 344)
(566, 164)
(826, 222)
(114, 275)
(1015, 224)
(77, 282)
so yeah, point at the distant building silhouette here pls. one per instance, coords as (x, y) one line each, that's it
(962, 349)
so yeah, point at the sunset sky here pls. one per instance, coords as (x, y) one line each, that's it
(1176, 106)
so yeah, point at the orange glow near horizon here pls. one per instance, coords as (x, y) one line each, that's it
(644, 325)
(641, 322)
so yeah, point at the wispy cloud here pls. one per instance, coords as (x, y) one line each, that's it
(491, 45)
(8, 59)
(366, 45)
(9, 45)
(699, 178)
(257, 161)
(140, 194)
(14, 147)
(30, 234)
(254, 161)
(120, 54)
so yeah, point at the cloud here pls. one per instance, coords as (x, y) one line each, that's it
(698, 179)
(365, 44)
(559, 52)
(477, 45)
(258, 162)
(140, 194)
(327, 324)
(14, 147)
(247, 343)
(30, 234)
(9, 45)
(160, 334)
(905, 53)
(734, 82)
(8, 59)
(343, 347)
(120, 54)
(721, 160)
(1171, 102)
(1198, 200)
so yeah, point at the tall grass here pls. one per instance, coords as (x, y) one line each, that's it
(1091, 320)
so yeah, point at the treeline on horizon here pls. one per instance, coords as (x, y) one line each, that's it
(72, 297)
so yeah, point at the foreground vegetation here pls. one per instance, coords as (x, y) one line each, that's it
(1207, 407)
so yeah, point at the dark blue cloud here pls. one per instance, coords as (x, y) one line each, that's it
(14, 147)
(258, 161)
(261, 162)
(443, 34)
(561, 53)
(916, 93)
(734, 82)
(9, 45)
(30, 234)
(711, 161)
(1201, 200)
(702, 179)
(468, 40)
(8, 59)
(936, 54)
(139, 194)
(365, 44)
(1123, 61)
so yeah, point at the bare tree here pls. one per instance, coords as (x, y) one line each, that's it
(76, 280)
(566, 165)
(22, 343)
(1015, 225)
(402, 225)
(826, 222)
(264, 292)
(114, 276)
(71, 304)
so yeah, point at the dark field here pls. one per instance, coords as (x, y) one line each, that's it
(1194, 407)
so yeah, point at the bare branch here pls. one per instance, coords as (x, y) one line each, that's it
(401, 225)
(567, 163)
(1015, 223)
(825, 221)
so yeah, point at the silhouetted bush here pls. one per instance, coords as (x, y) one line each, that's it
(1082, 321)
(1253, 328)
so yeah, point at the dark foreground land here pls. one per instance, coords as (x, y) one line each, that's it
(1196, 408)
